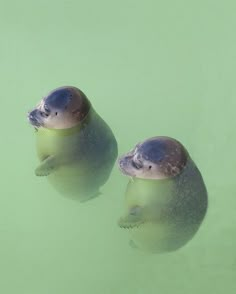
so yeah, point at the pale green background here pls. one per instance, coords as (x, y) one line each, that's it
(149, 68)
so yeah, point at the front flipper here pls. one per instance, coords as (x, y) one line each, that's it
(47, 166)
(138, 215)
(133, 218)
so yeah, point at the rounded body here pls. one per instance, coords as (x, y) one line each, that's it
(170, 211)
(86, 155)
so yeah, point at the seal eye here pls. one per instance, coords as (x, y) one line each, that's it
(150, 167)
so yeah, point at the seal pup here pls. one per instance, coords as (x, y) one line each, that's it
(166, 198)
(76, 147)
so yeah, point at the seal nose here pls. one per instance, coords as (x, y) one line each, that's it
(123, 163)
(31, 114)
(32, 117)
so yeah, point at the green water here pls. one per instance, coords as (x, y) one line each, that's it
(149, 68)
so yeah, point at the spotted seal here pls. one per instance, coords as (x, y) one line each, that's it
(166, 198)
(76, 147)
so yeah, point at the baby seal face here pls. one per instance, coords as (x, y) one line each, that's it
(62, 108)
(155, 158)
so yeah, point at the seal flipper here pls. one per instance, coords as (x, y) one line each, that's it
(132, 219)
(138, 215)
(47, 166)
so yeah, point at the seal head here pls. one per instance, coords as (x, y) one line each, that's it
(155, 158)
(63, 108)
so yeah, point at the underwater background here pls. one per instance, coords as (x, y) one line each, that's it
(150, 68)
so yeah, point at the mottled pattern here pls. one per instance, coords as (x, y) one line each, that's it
(59, 98)
(163, 215)
(167, 153)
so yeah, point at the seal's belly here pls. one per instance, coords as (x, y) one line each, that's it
(151, 237)
(84, 157)
(158, 238)
(48, 144)
(81, 171)
(75, 181)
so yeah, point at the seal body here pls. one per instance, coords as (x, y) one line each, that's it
(78, 158)
(162, 213)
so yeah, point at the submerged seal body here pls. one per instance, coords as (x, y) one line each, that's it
(77, 149)
(166, 199)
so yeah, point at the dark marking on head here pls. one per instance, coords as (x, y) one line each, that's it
(59, 99)
(154, 151)
(68, 98)
(64, 107)
(79, 104)
(155, 158)
(167, 153)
